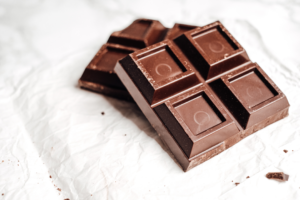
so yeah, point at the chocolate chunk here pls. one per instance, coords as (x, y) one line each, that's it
(280, 176)
(248, 177)
(201, 92)
(236, 184)
(99, 75)
(285, 151)
(102, 113)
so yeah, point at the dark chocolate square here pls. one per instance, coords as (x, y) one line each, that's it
(249, 94)
(213, 43)
(212, 50)
(196, 120)
(198, 114)
(162, 64)
(251, 88)
(160, 72)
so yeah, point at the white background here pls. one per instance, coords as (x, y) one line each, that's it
(50, 127)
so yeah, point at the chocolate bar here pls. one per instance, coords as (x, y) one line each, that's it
(279, 176)
(99, 75)
(201, 92)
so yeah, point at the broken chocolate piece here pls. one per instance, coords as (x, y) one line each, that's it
(199, 111)
(280, 176)
(99, 75)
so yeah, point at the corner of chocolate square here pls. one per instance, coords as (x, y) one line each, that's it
(250, 95)
(159, 71)
(179, 29)
(212, 49)
(141, 33)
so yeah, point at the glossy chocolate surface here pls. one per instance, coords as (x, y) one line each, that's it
(99, 75)
(212, 50)
(141, 33)
(201, 92)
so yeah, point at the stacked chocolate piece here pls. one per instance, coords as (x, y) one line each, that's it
(99, 75)
(198, 88)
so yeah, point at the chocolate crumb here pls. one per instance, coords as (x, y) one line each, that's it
(285, 151)
(236, 184)
(50, 176)
(59, 189)
(2, 194)
(248, 177)
(102, 113)
(279, 176)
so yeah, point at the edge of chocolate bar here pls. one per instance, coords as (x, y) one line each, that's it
(178, 29)
(103, 89)
(139, 34)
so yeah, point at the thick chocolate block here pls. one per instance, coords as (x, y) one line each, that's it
(141, 33)
(198, 115)
(249, 94)
(196, 120)
(99, 75)
(212, 50)
(161, 72)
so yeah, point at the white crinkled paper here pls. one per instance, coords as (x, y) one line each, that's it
(50, 127)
